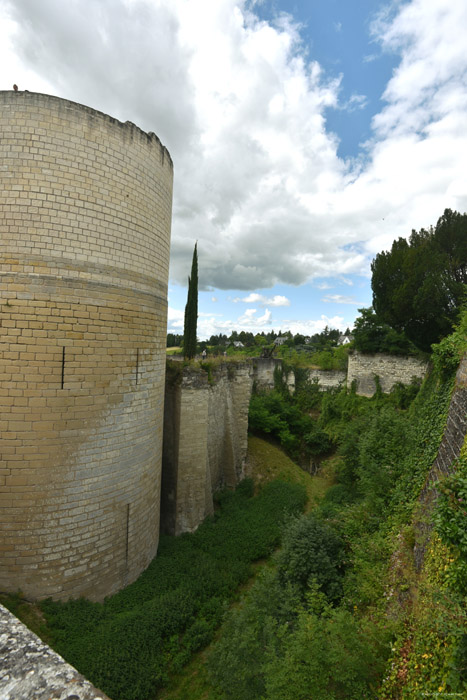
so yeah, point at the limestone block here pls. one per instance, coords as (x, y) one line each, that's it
(30, 670)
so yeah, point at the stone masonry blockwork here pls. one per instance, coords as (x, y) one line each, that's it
(205, 441)
(85, 214)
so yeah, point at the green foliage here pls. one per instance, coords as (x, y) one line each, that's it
(307, 394)
(372, 335)
(237, 660)
(419, 285)
(451, 515)
(278, 414)
(174, 340)
(312, 553)
(447, 354)
(331, 656)
(337, 647)
(274, 647)
(191, 310)
(333, 358)
(402, 395)
(130, 644)
(382, 451)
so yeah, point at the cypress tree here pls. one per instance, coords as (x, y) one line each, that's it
(191, 310)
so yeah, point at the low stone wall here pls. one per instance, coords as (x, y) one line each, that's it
(327, 379)
(30, 670)
(205, 441)
(264, 373)
(390, 369)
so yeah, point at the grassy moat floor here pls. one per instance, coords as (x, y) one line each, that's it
(265, 462)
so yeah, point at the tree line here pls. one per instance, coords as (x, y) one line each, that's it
(418, 288)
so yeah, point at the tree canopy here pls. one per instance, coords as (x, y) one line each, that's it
(371, 335)
(418, 285)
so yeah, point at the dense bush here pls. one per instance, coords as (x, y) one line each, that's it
(311, 553)
(332, 656)
(283, 645)
(371, 335)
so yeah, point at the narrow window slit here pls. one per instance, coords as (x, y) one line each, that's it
(137, 365)
(127, 532)
(63, 366)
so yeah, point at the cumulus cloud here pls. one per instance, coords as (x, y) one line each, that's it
(242, 109)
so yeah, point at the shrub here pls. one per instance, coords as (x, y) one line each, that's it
(312, 552)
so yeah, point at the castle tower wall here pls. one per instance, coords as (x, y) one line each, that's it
(85, 212)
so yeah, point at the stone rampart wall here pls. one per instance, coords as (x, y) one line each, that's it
(205, 441)
(85, 210)
(390, 369)
(361, 368)
(327, 378)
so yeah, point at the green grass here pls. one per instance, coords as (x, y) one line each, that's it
(266, 462)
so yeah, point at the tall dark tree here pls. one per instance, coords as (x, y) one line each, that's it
(191, 310)
(418, 286)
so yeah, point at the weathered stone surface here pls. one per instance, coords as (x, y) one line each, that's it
(85, 209)
(264, 373)
(30, 670)
(327, 378)
(205, 442)
(390, 369)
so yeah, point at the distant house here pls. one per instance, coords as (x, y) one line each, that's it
(238, 344)
(281, 340)
(344, 339)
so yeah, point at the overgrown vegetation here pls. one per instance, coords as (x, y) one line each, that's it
(357, 629)
(287, 418)
(129, 645)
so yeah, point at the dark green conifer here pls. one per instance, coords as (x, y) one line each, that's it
(191, 310)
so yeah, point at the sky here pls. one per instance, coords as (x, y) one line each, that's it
(306, 136)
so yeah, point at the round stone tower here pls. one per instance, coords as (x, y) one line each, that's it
(85, 213)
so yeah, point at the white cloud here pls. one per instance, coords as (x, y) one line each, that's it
(355, 102)
(175, 318)
(255, 298)
(242, 109)
(339, 299)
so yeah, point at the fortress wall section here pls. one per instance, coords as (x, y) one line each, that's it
(390, 369)
(205, 441)
(264, 373)
(85, 212)
(327, 379)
